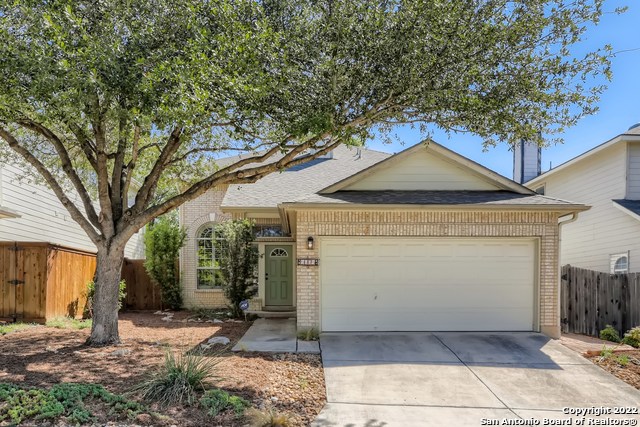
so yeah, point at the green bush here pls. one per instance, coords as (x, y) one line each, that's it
(179, 379)
(238, 258)
(65, 399)
(91, 291)
(609, 333)
(163, 241)
(216, 401)
(632, 337)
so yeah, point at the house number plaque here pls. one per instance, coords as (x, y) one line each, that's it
(308, 261)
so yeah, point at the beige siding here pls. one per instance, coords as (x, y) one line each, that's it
(193, 215)
(604, 229)
(543, 226)
(422, 171)
(44, 218)
(633, 191)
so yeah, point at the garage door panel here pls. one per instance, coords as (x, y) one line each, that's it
(427, 284)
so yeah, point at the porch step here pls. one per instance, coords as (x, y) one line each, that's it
(273, 314)
(278, 308)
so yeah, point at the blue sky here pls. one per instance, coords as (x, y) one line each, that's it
(619, 106)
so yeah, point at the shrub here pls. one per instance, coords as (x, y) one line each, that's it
(163, 241)
(268, 418)
(91, 290)
(179, 379)
(216, 401)
(609, 333)
(238, 258)
(632, 337)
(310, 334)
(65, 399)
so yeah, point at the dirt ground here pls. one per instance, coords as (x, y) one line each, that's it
(43, 356)
(628, 372)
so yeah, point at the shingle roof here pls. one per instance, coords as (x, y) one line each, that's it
(392, 197)
(631, 205)
(302, 180)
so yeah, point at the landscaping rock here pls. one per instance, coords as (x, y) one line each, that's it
(217, 321)
(219, 340)
(123, 352)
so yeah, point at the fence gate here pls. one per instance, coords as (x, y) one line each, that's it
(22, 276)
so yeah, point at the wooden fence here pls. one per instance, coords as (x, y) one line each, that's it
(590, 300)
(142, 293)
(42, 281)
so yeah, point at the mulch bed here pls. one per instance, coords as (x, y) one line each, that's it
(43, 356)
(629, 373)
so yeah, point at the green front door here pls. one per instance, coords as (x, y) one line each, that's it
(278, 275)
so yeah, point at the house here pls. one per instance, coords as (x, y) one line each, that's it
(607, 177)
(46, 258)
(359, 240)
(31, 212)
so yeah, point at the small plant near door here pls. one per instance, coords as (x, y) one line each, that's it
(310, 334)
(238, 259)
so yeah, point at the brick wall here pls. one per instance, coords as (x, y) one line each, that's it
(543, 225)
(193, 216)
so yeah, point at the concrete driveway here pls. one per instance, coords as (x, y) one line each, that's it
(459, 379)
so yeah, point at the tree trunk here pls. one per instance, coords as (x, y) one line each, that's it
(104, 330)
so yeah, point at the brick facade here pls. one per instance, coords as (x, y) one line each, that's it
(423, 223)
(193, 216)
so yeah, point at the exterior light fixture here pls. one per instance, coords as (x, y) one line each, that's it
(310, 243)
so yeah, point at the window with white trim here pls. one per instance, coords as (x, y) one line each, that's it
(208, 268)
(620, 263)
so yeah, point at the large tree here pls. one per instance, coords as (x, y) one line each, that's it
(106, 98)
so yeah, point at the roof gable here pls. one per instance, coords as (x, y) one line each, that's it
(426, 166)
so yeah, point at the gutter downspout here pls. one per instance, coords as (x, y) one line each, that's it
(561, 222)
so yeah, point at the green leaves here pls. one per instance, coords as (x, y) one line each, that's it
(239, 76)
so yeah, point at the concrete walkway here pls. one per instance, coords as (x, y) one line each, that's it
(274, 336)
(459, 379)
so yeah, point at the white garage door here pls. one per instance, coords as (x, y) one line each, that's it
(379, 284)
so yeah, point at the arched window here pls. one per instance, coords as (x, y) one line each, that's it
(620, 263)
(208, 268)
(278, 252)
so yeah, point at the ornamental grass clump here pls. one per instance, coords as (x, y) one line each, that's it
(179, 380)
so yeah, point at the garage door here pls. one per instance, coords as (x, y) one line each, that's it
(378, 284)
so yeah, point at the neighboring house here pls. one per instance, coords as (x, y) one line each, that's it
(364, 241)
(607, 237)
(31, 212)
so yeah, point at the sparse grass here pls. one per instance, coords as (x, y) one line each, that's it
(8, 328)
(65, 399)
(623, 360)
(179, 379)
(216, 401)
(310, 334)
(69, 323)
(268, 418)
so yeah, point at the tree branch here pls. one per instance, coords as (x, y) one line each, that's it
(73, 210)
(145, 193)
(67, 166)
